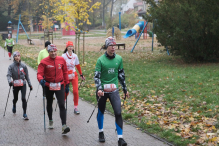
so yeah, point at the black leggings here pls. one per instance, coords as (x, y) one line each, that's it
(116, 104)
(23, 94)
(9, 49)
(61, 101)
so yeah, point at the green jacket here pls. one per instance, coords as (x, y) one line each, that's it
(43, 54)
(9, 42)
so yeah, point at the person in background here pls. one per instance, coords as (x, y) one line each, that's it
(72, 61)
(9, 42)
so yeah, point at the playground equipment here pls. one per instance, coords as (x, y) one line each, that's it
(144, 32)
(139, 26)
(114, 31)
(19, 23)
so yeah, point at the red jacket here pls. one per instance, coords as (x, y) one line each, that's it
(54, 70)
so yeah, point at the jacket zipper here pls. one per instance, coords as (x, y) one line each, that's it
(18, 71)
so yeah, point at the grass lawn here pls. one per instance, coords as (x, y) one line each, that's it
(174, 100)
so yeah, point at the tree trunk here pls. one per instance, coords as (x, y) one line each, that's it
(111, 12)
(103, 20)
(9, 9)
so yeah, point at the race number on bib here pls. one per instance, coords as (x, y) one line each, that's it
(71, 75)
(109, 87)
(55, 86)
(9, 43)
(18, 83)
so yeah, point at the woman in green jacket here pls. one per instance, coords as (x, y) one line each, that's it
(9, 42)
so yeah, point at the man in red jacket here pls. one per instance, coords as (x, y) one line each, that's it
(52, 74)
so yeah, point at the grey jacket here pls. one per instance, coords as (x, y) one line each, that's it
(18, 70)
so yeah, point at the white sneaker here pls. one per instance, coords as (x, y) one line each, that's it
(65, 129)
(51, 124)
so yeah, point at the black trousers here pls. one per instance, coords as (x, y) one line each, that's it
(23, 94)
(9, 49)
(60, 96)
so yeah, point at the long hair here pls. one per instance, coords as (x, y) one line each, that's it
(67, 50)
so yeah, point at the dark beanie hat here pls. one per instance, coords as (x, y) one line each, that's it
(47, 43)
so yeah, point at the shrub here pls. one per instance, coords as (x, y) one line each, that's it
(189, 28)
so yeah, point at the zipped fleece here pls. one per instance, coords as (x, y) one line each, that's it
(53, 70)
(18, 70)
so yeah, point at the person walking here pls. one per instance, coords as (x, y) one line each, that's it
(43, 54)
(71, 61)
(52, 75)
(108, 70)
(19, 72)
(9, 42)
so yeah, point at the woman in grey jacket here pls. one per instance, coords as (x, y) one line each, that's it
(18, 72)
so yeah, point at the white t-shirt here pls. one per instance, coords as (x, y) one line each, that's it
(71, 61)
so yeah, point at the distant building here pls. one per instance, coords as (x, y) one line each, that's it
(128, 6)
(138, 6)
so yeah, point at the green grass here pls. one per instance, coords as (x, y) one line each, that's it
(155, 78)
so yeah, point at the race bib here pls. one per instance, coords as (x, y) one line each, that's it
(71, 75)
(109, 87)
(9, 43)
(18, 83)
(55, 86)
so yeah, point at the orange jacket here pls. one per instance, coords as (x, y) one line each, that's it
(53, 70)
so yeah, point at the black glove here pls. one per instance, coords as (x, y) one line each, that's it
(67, 88)
(82, 75)
(42, 82)
(11, 84)
(31, 88)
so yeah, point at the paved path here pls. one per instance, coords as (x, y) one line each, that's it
(14, 131)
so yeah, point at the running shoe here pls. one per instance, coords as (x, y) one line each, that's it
(122, 142)
(65, 129)
(25, 117)
(51, 124)
(14, 109)
(76, 111)
(101, 137)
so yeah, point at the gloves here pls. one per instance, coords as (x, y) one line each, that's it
(67, 88)
(31, 88)
(10, 84)
(42, 82)
(82, 77)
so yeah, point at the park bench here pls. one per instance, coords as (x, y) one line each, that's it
(120, 44)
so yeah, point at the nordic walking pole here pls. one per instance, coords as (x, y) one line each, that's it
(44, 112)
(4, 51)
(80, 84)
(124, 100)
(7, 100)
(28, 96)
(66, 102)
(93, 110)
(37, 90)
